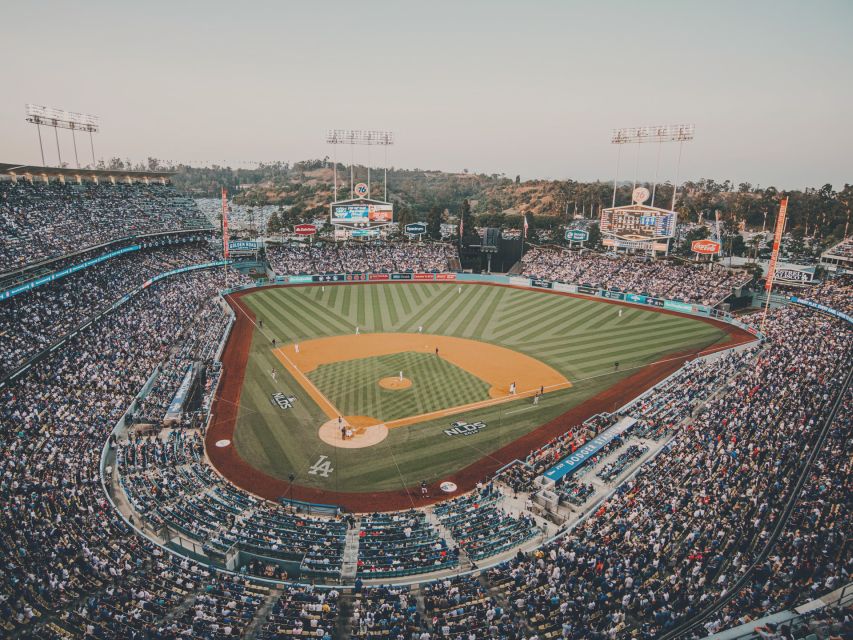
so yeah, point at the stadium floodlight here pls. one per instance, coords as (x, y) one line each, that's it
(60, 119)
(679, 133)
(360, 137)
(662, 133)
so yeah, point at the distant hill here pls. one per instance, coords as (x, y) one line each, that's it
(306, 189)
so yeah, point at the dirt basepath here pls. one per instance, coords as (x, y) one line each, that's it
(227, 461)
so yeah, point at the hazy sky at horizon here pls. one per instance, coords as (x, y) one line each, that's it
(529, 88)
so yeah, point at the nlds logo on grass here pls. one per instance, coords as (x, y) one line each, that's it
(283, 401)
(465, 428)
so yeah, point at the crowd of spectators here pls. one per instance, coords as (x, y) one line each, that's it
(32, 321)
(667, 542)
(401, 543)
(40, 221)
(420, 257)
(659, 278)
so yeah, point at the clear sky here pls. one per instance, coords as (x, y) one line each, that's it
(530, 88)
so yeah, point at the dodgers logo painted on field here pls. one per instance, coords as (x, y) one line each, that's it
(465, 428)
(323, 467)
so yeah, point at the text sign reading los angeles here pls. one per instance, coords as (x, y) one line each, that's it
(705, 247)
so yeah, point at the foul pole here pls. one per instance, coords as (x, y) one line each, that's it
(225, 232)
(771, 268)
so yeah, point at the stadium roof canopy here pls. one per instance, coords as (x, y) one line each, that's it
(68, 172)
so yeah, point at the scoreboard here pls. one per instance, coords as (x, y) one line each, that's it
(638, 224)
(361, 212)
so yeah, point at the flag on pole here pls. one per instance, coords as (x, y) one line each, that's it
(461, 226)
(777, 243)
(525, 225)
(224, 223)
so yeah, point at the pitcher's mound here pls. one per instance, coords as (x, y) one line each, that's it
(366, 432)
(394, 382)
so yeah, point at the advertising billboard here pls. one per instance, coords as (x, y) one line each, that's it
(577, 235)
(305, 229)
(361, 212)
(705, 247)
(349, 212)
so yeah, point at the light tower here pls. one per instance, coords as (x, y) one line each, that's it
(59, 119)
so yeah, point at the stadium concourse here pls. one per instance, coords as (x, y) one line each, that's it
(726, 498)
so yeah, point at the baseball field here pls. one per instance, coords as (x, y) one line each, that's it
(369, 389)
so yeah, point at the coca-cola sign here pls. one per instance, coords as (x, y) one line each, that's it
(707, 247)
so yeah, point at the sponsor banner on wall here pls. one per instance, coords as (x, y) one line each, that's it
(587, 290)
(613, 295)
(445, 276)
(206, 265)
(573, 462)
(329, 277)
(567, 288)
(380, 276)
(356, 277)
(655, 302)
(300, 279)
(519, 282)
(542, 284)
(635, 297)
(822, 308)
(424, 276)
(674, 305)
(401, 276)
(33, 284)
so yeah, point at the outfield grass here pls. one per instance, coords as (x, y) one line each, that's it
(580, 338)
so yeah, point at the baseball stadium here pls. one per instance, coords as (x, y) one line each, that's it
(328, 394)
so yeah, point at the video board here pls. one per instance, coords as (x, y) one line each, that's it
(361, 212)
(637, 224)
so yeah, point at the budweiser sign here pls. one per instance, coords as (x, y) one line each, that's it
(305, 229)
(708, 247)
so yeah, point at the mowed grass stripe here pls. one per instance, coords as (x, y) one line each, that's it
(346, 303)
(487, 313)
(439, 308)
(315, 314)
(376, 309)
(466, 305)
(465, 318)
(593, 359)
(293, 324)
(629, 340)
(324, 312)
(511, 324)
(650, 323)
(392, 300)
